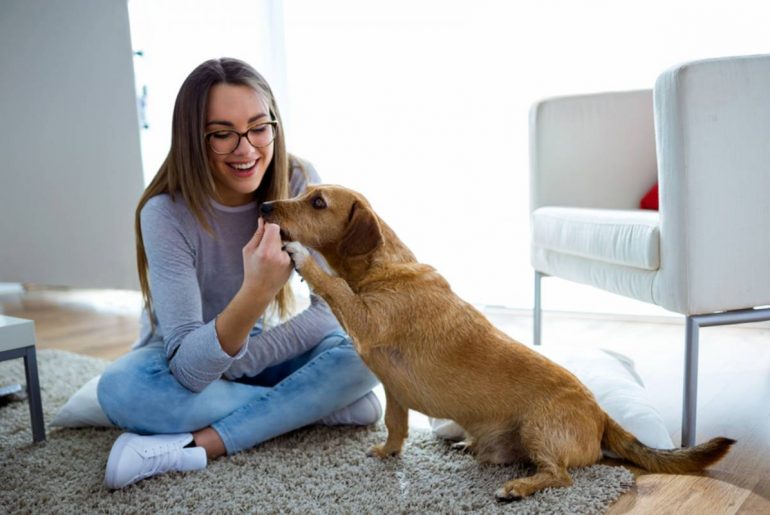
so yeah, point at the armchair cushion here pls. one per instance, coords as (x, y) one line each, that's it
(621, 237)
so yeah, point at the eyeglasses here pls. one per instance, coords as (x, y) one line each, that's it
(225, 141)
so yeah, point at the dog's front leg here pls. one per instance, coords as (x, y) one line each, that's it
(344, 303)
(397, 422)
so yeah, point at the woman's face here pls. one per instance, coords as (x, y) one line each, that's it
(239, 173)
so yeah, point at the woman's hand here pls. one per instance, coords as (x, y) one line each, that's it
(266, 266)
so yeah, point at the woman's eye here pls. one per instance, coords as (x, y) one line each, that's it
(221, 135)
(259, 129)
(319, 203)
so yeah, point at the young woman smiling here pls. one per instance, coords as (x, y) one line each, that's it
(208, 375)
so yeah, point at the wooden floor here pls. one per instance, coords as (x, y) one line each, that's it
(734, 383)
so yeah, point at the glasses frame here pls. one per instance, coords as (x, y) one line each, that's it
(241, 135)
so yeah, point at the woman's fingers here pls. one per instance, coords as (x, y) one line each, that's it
(271, 236)
(255, 240)
(265, 250)
(266, 266)
(272, 244)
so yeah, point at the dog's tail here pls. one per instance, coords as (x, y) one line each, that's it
(673, 461)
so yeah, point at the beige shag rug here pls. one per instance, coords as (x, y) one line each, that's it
(313, 470)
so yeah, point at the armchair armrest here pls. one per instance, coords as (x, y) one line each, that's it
(712, 122)
(593, 151)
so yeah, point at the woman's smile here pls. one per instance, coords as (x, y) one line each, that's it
(243, 169)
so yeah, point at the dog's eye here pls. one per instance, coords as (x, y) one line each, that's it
(318, 202)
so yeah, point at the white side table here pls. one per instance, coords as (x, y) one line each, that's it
(17, 340)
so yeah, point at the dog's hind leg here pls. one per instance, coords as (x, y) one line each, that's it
(548, 475)
(553, 443)
(397, 422)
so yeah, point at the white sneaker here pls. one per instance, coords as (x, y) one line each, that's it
(134, 457)
(363, 412)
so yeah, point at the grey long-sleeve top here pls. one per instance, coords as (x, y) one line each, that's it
(194, 275)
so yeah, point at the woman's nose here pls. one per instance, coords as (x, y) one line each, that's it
(244, 147)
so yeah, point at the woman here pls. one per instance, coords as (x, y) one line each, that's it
(207, 377)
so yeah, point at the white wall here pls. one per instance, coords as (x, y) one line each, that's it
(70, 172)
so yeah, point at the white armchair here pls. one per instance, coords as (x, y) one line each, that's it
(704, 134)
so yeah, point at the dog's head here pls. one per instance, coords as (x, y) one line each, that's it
(327, 218)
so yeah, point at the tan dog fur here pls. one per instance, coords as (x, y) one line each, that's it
(437, 354)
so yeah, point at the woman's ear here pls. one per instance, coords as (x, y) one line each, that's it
(363, 234)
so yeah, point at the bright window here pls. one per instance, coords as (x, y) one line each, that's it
(423, 106)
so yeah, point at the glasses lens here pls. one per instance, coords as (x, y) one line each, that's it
(261, 135)
(223, 142)
(226, 141)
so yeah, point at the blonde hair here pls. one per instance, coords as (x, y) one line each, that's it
(186, 172)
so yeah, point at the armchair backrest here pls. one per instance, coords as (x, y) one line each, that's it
(593, 151)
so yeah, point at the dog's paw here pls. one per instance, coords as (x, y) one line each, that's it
(299, 254)
(464, 446)
(380, 451)
(504, 494)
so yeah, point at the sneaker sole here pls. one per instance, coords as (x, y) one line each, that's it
(112, 466)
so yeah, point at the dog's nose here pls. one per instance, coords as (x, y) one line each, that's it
(266, 208)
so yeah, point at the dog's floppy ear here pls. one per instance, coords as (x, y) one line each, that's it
(363, 234)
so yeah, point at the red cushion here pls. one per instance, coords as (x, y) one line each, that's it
(650, 199)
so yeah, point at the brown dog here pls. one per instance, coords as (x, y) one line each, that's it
(438, 355)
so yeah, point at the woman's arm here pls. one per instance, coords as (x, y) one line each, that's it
(199, 352)
(292, 338)
(266, 269)
(195, 356)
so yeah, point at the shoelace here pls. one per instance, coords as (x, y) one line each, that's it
(167, 460)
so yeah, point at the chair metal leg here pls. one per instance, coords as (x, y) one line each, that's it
(537, 312)
(690, 402)
(693, 325)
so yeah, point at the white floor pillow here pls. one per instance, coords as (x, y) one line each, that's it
(618, 389)
(83, 409)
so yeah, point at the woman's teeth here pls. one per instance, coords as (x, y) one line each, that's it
(243, 166)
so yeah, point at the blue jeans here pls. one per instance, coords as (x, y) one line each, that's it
(138, 393)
